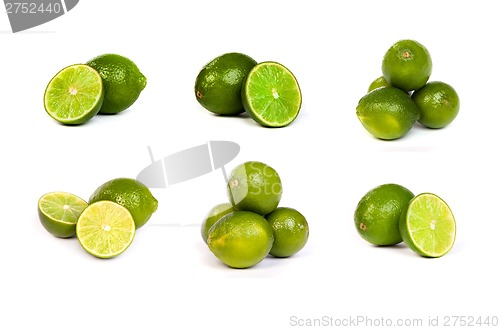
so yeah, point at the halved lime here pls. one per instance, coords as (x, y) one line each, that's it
(74, 95)
(59, 211)
(271, 95)
(428, 226)
(105, 229)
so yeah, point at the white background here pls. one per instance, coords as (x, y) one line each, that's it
(168, 279)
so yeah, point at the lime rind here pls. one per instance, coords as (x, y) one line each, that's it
(428, 226)
(105, 229)
(74, 95)
(272, 95)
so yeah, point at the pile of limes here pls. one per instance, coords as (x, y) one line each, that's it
(390, 214)
(403, 95)
(107, 84)
(106, 225)
(234, 83)
(243, 232)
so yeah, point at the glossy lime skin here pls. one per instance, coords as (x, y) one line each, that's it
(291, 231)
(438, 103)
(215, 214)
(218, 84)
(122, 79)
(241, 239)
(377, 83)
(255, 187)
(387, 113)
(407, 65)
(378, 212)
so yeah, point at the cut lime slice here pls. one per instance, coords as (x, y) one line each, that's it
(271, 95)
(428, 226)
(74, 95)
(59, 212)
(105, 229)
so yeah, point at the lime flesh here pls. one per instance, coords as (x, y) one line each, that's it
(271, 95)
(105, 229)
(59, 211)
(428, 226)
(74, 95)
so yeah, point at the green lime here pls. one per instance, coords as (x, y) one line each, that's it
(59, 212)
(241, 239)
(427, 226)
(290, 229)
(218, 85)
(105, 229)
(74, 95)
(255, 187)
(407, 65)
(217, 212)
(271, 95)
(387, 113)
(130, 193)
(377, 83)
(438, 103)
(123, 81)
(378, 212)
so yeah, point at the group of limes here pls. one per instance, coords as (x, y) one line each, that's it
(390, 214)
(107, 84)
(234, 83)
(252, 226)
(403, 95)
(106, 225)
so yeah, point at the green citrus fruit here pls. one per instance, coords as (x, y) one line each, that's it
(59, 211)
(290, 229)
(377, 83)
(74, 95)
(105, 229)
(387, 113)
(378, 212)
(427, 226)
(255, 187)
(407, 65)
(217, 212)
(438, 103)
(123, 81)
(241, 239)
(271, 95)
(131, 194)
(218, 85)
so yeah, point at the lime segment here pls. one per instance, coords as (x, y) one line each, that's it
(105, 229)
(271, 95)
(428, 226)
(59, 212)
(74, 95)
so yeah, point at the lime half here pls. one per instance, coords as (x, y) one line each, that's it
(59, 212)
(105, 229)
(271, 95)
(74, 95)
(428, 226)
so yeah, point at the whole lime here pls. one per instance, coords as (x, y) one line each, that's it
(438, 103)
(377, 214)
(387, 113)
(255, 187)
(241, 239)
(131, 194)
(290, 229)
(215, 214)
(122, 79)
(218, 84)
(407, 65)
